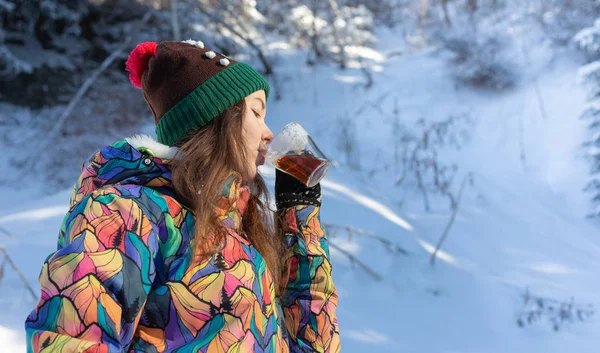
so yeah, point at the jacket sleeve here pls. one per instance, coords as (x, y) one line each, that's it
(94, 286)
(309, 298)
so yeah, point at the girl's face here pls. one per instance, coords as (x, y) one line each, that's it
(255, 132)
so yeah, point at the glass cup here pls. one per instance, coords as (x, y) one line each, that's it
(294, 152)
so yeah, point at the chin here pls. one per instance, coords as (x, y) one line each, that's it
(250, 176)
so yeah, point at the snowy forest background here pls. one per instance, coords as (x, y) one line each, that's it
(464, 206)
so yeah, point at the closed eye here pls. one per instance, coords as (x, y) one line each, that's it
(256, 114)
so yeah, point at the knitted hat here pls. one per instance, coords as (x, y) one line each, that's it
(187, 85)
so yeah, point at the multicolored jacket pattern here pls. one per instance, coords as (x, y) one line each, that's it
(122, 278)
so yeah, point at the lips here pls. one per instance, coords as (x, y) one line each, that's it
(262, 157)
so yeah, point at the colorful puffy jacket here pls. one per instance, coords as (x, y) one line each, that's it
(122, 279)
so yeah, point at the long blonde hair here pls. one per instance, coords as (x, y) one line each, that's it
(207, 158)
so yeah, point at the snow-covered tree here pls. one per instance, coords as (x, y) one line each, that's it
(480, 58)
(588, 40)
(332, 32)
(561, 19)
(49, 47)
(10, 66)
(232, 27)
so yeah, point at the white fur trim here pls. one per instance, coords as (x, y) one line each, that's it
(224, 62)
(199, 44)
(210, 54)
(159, 150)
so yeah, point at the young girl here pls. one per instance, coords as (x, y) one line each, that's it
(168, 245)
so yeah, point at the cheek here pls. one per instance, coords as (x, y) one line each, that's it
(254, 134)
(250, 129)
(251, 143)
(245, 134)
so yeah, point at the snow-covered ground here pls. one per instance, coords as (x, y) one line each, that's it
(520, 225)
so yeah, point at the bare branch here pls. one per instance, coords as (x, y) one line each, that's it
(261, 56)
(472, 4)
(376, 104)
(368, 74)
(556, 312)
(522, 154)
(536, 86)
(314, 36)
(394, 53)
(540, 99)
(347, 142)
(355, 231)
(175, 21)
(455, 206)
(446, 16)
(16, 269)
(416, 166)
(423, 14)
(5, 232)
(87, 84)
(336, 35)
(354, 260)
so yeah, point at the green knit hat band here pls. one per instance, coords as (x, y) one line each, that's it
(208, 100)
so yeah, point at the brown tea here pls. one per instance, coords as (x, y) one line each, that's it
(301, 167)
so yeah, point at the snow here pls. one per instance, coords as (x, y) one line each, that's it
(11, 340)
(519, 227)
(368, 202)
(586, 38)
(589, 69)
(36, 214)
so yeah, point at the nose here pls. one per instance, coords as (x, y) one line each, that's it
(268, 136)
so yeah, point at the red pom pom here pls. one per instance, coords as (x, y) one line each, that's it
(137, 63)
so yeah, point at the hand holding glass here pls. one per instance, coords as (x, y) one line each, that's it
(294, 152)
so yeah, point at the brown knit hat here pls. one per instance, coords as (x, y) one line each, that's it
(186, 85)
